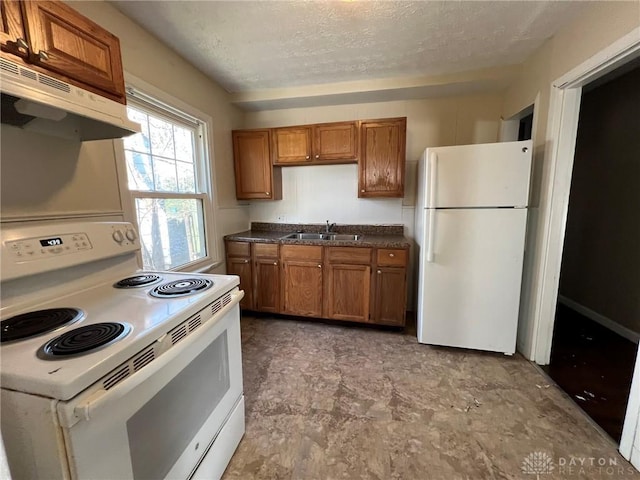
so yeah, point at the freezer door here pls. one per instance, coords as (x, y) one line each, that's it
(469, 290)
(486, 175)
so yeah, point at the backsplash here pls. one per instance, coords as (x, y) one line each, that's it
(338, 228)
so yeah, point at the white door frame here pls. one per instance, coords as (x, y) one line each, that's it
(564, 107)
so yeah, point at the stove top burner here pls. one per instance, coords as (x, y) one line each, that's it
(179, 288)
(31, 324)
(137, 281)
(84, 339)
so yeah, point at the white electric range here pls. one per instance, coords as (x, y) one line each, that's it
(112, 372)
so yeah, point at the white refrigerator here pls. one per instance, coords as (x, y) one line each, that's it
(471, 216)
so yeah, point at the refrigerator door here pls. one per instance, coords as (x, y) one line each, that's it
(469, 290)
(485, 175)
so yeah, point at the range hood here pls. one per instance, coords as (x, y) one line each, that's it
(41, 103)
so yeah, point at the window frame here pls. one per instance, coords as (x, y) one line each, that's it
(154, 101)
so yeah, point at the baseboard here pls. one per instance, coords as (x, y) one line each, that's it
(601, 319)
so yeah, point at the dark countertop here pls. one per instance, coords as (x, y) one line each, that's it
(378, 239)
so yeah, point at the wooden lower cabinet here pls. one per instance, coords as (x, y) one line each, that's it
(355, 284)
(389, 297)
(302, 288)
(242, 267)
(348, 290)
(267, 285)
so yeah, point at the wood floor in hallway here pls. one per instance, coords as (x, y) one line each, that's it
(338, 402)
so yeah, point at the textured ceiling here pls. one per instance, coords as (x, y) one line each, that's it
(255, 45)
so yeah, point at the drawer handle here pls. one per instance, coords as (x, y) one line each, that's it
(392, 255)
(22, 44)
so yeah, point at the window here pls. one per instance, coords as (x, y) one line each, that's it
(168, 179)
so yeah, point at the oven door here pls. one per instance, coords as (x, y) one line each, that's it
(159, 422)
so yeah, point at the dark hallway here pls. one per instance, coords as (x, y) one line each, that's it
(598, 315)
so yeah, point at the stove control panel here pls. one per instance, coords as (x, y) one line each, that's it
(28, 249)
(32, 248)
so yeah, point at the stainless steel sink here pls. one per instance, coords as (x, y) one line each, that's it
(340, 236)
(322, 236)
(304, 236)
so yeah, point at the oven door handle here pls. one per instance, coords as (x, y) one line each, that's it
(75, 412)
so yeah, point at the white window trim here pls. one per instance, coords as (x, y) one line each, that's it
(206, 183)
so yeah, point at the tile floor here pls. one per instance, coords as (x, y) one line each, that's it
(335, 402)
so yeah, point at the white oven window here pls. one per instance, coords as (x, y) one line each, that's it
(163, 427)
(169, 181)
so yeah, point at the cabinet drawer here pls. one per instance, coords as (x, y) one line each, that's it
(311, 253)
(349, 255)
(390, 257)
(238, 249)
(265, 249)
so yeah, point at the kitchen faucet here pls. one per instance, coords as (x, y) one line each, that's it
(329, 227)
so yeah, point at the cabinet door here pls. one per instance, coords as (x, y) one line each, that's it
(390, 296)
(335, 142)
(66, 42)
(302, 288)
(11, 27)
(242, 267)
(382, 158)
(267, 284)
(291, 145)
(254, 174)
(348, 292)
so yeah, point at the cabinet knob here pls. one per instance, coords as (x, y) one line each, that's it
(362, 190)
(245, 261)
(379, 272)
(319, 266)
(317, 156)
(266, 193)
(275, 263)
(44, 56)
(22, 43)
(307, 157)
(392, 255)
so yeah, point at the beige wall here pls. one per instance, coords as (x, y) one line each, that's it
(598, 27)
(70, 176)
(313, 194)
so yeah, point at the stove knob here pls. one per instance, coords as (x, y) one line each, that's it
(117, 236)
(131, 235)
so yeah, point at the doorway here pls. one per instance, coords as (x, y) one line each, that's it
(597, 323)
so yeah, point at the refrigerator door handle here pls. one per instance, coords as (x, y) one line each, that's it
(430, 232)
(433, 170)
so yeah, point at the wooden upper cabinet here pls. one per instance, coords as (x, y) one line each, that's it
(382, 158)
(64, 41)
(321, 143)
(255, 177)
(12, 28)
(335, 142)
(291, 145)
